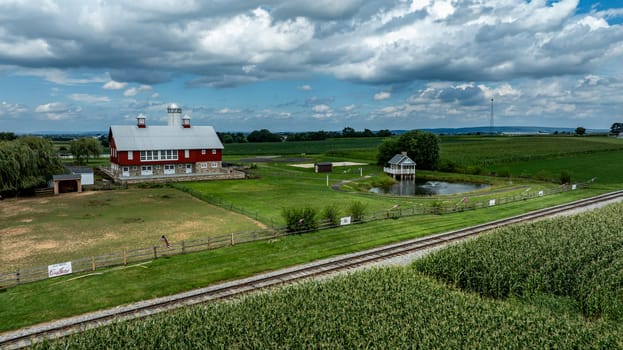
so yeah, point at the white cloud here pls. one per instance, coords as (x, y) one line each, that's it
(51, 107)
(57, 111)
(114, 85)
(11, 109)
(228, 111)
(349, 107)
(306, 87)
(61, 77)
(321, 108)
(136, 90)
(383, 95)
(89, 98)
(254, 37)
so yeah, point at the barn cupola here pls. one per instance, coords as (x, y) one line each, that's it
(140, 121)
(186, 121)
(175, 114)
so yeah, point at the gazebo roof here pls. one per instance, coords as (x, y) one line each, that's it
(401, 159)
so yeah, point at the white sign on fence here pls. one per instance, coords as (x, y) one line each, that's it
(541, 193)
(491, 202)
(59, 269)
(573, 187)
(345, 220)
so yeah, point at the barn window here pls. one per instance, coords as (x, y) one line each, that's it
(130, 155)
(203, 165)
(186, 153)
(213, 151)
(214, 164)
(203, 151)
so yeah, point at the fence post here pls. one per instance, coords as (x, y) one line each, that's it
(232, 238)
(155, 252)
(92, 263)
(208, 243)
(125, 257)
(17, 277)
(183, 247)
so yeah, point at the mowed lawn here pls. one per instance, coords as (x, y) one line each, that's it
(40, 231)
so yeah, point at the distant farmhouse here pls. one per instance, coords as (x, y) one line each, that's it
(163, 153)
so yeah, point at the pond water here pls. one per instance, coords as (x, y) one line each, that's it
(428, 187)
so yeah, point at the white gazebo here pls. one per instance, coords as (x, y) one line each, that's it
(401, 166)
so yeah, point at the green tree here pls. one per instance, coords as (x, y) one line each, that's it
(85, 147)
(263, 135)
(580, 131)
(421, 146)
(7, 136)
(616, 128)
(27, 162)
(384, 133)
(348, 132)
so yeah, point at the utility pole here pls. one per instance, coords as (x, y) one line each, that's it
(491, 121)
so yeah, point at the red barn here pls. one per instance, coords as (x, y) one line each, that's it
(177, 151)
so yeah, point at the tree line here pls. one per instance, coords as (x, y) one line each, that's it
(265, 135)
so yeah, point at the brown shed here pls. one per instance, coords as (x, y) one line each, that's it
(323, 167)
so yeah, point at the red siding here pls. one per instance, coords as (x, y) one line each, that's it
(194, 157)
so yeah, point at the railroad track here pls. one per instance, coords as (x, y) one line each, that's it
(56, 329)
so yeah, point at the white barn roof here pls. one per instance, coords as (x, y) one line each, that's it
(160, 137)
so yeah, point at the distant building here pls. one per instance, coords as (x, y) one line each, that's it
(400, 167)
(173, 152)
(323, 167)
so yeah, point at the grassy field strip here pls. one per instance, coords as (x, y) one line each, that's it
(33, 303)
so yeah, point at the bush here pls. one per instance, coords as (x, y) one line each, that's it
(331, 214)
(565, 177)
(448, 166)
(504, 172)
(543, 175)
(357, 211)
(300, 219)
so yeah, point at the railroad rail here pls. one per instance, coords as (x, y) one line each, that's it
(56, 329)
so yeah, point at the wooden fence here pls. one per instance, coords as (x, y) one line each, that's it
(125, 257)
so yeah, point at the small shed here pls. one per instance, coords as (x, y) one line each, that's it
(400, 167)
(86, 173)
(323, 167)
(67, 183)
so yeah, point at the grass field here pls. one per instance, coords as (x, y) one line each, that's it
(42, 231)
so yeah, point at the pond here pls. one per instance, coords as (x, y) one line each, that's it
(428, 187)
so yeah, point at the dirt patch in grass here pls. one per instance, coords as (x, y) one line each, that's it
(14, 231)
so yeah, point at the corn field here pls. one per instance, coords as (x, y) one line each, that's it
(391, 308)
(579, 257)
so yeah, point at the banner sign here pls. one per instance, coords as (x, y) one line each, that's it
(573, 187)
(541, 193)
(59, 269)
(345, 220)
(491, 202)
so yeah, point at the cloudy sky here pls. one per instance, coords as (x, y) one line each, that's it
(296, 65)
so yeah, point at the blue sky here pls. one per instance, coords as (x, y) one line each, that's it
(298, 65)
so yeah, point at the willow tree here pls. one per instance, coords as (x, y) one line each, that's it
(27, 162)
